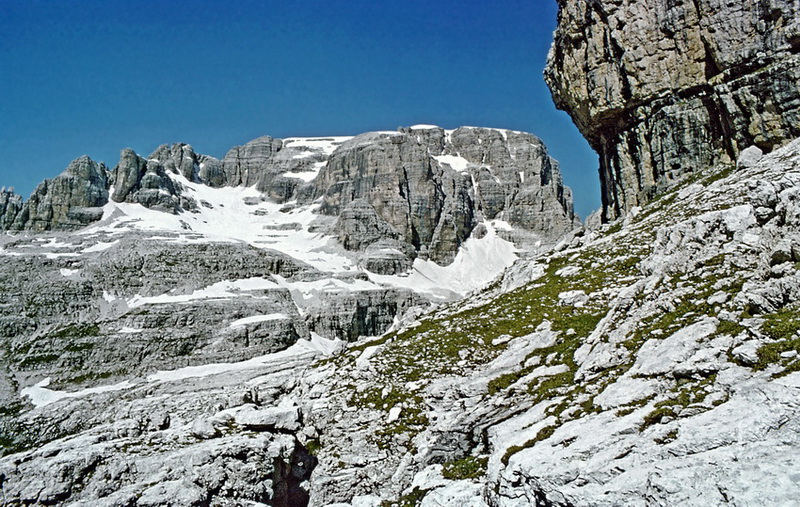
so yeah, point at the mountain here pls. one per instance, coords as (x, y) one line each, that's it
(650, 360)
(654, 360)
(180, 259)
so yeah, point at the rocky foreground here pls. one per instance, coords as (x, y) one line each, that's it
(652, 361)
(178, 266)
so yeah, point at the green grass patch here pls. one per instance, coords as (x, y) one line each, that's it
(465, 468)
(411, 499)
(688, 392)
(730, 328)
(313, 446)
(782, 326)
(543, 434)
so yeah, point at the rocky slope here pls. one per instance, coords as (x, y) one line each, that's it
(665, 89)
(182, 260)
(653, 361)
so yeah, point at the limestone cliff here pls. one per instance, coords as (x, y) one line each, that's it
(429, 188)
(662, 89)
(69, 201)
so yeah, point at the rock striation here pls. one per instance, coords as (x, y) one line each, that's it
(429, 188)
(69, 201)
(663, 89)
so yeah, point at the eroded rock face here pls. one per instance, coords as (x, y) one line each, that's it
(271, 165)
(70, 201)
(145, 181)
(10, 206)
(662, 89)
(428, 188)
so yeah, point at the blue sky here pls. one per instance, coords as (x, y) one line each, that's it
(92, 77)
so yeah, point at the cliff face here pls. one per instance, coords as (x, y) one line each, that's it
(662, 89)
(69, 201)
(428, 188)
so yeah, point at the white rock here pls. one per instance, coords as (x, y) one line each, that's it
(573, 298)
(657, 356)
(461, 493)
(202, 428)
(281, 418)
(394, 414)
(625, 391)
(749, 157)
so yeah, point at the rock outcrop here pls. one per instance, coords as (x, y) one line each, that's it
(429, 188)
(145, 181)
(70, 201)
(276, 167)
(663, 89)
(10, 206)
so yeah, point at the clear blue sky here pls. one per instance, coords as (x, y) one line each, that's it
(95, 76)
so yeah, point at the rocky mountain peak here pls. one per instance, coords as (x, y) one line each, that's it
(146, 182)
(663, 89)
(424, 187)
(69, 201)
(429, 187)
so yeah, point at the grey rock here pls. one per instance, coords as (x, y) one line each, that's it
(10, 206)
(663, 89)
(146, 182)
(749, 157)
(178, 158)
(268, 163)
(433, 207)
(349, 315)
(251, 163)
(70, 201)
(283, 418)
(85, 327)
(203, 429)
(211, 171)
(387, 257)
(359, 225)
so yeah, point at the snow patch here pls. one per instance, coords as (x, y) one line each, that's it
(99, 247)
(40, 396)
(259, 318)
(477, 263)
(456, 162)
(220, 290)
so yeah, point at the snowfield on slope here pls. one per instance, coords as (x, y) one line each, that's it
(233, 214)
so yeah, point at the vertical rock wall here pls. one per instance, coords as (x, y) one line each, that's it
(69, 201)
(663, 88)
